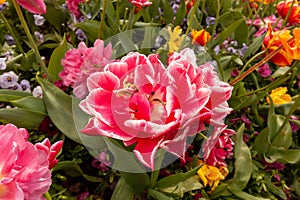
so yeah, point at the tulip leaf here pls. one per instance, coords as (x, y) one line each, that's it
(21, 117)
(244, 195)
(277, 153)
(158, 195)
(55, 66)
(130, 169)
(11, 95)
(59, 108)
(180, 14)
(122, 191)
(176, 178)
(168, 12)
(189, 184)
(224, 34)
(31, 103)
(243, 162)
(71, 168)
(254, 46)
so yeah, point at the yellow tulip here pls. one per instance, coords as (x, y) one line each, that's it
(212, 175)
(279, 96)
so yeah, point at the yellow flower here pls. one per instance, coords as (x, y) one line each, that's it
(279, 96)
(2, 1)
(212, 175)
(175, 39)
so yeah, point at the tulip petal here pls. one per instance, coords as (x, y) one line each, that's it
(33, 6)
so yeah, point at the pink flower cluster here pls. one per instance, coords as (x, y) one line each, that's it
(24, 167)
(139, 101)
(73, 6)
(81, 62)
(218, 146)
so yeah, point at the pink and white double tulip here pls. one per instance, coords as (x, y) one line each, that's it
(24, 167)
(139, 101)
(80, 62)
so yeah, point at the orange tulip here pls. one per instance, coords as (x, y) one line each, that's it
(296, 48)
(2, 1)
(283, 9)
(275, 39)
(200, 37)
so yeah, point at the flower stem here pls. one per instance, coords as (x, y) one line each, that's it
(102, 19)
(251, 59)
(10, 30)
(47, 196)
(192, 15)
(31, 40)
(250, 70)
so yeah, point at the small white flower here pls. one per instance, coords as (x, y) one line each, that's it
(38, 20)
(2, 63)
(37, 92)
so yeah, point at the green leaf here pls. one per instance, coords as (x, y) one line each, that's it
(138, 182)
(189, 184)
(262, 141)
(122, 191)
(56, 16)
(289, 156)
(55, 66)
(243, 162)
(224, 34)
(176, 178)
(31, 103)
(90, 29)
(221, 190)
(180, 14)
(11, 95)
(244, 195)
(168, 12)
(22, 118)
(130, 168)
(158, 195)
(59, 108)
(72, 169)
(254, 46)
(275, 190)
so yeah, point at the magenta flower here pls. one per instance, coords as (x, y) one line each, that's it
(81, 62)
(262, 25)
(33, 6)
(139, 101)
(264, 70)
(73, 6)
(218, 146)
(24, 167)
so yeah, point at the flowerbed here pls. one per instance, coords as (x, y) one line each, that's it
(138, 99)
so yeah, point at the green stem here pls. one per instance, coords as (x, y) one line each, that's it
(47, 196)
(31, 40)
(10, 30)
(102, 19)
(251, 59)
(267, 58)
(272, 85)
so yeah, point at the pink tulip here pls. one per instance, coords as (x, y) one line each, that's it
(218, 146)
(24, 167)
(33, 6)
(139, 101)
(81, 62)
